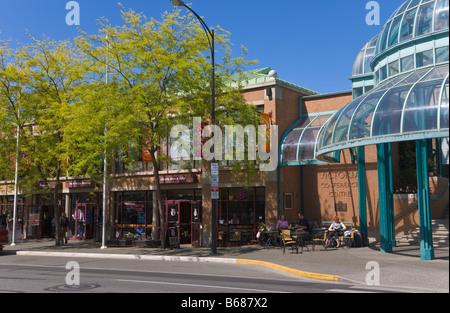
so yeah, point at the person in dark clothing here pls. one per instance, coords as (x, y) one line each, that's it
(303, 223)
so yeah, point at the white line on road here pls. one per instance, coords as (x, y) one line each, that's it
(192, 285)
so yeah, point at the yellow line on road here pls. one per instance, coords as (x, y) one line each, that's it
(288, 270)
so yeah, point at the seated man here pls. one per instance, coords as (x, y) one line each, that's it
(303, 223)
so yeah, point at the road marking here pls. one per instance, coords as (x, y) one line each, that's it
(351, 291)
(193, 285)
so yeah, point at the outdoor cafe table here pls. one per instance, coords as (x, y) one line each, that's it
(270, 234)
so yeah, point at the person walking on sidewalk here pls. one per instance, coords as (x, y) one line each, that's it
(64, 223)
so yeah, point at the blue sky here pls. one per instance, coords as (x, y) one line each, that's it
(309, 43)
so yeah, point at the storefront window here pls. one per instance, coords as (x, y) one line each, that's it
(134, 215)
(240, 211)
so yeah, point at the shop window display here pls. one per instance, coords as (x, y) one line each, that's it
(133, 215)
(240, 212)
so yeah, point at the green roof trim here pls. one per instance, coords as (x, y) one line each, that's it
(261, 76)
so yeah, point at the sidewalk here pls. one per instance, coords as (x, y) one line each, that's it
(402, 268)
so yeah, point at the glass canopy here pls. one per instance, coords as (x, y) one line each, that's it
(365, 57)
(410, 106)
(299, 145)
(413, 19)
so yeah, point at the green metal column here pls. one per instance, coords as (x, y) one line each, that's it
(384, 186)
(390, 194)
(361, 159)
(423, 191)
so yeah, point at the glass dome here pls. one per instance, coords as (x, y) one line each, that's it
(365, 57)
(299, 144)
(410, 106)
(415, 18)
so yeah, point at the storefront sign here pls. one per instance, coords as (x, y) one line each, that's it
(80, 184)
(34, 220)
(243, 195)
(178, 179)
(43, 185)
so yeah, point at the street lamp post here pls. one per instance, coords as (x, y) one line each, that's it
(209, 33)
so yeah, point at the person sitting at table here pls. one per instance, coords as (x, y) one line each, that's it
(334, 231)
(303, 223)
(235, 219)
(282, 223)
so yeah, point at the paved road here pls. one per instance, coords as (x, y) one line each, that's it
(43, 274)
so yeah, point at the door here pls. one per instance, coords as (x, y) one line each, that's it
(78, 222)
(183, 220)
(196, 216)
(172, 222)
(35, 222)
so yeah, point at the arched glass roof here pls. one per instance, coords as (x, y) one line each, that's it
(410, 97)
(415, 18)
(299, 145)
(364, 58)
(410, 106)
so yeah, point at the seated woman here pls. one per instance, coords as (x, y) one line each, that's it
(282, 223)
(334, 231)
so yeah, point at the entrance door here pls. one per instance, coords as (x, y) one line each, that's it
(78, 222)
(35, 222)
(196, 223)
(183, 221)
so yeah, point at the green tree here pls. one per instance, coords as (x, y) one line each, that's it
(158, 76)
(16, 115)
(55, 75)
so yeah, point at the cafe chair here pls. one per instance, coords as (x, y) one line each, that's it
(320, 239)
(287, 240)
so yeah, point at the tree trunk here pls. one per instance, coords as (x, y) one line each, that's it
(159, 203)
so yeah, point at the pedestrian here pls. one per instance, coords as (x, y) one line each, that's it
(63, 224)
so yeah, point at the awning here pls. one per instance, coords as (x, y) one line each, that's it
(410, 106)
(299, 142)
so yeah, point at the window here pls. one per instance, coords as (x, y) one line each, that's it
(383, 73)
(384, 37)
(425, 19)
(393, 36)
(441, 19)
(368, 88)
(407, 63)
(408, 25)
(442, 55)
(424, 58)
(288, 201)
(393, 68)
(357, 92)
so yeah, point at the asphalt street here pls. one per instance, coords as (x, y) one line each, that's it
(39, 266)
(20, 274)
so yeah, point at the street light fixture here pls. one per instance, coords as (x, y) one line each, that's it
(214, 196)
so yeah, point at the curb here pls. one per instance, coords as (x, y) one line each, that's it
(289, 270)
(182, 259)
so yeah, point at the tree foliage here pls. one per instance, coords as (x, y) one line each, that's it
(94, 99)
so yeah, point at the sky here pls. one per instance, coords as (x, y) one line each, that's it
(309, 43)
